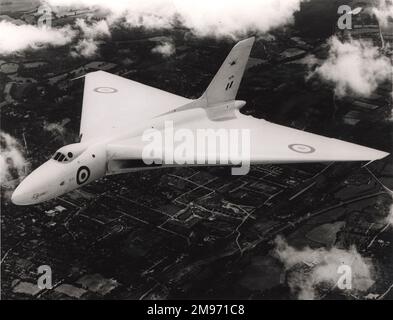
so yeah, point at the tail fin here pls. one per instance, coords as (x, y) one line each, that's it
(226, 82)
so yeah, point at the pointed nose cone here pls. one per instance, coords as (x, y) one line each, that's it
(18, 197)
(27, 192)
(38, 186)
(23, 194)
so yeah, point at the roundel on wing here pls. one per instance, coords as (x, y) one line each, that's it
(105, 90)
(301, 148)
(82, 175)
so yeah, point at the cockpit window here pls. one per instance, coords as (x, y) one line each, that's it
(69, 153)
(60, 157)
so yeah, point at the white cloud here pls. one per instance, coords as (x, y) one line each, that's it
(96, 29)
(355, 67)
(384, 11)
(87, 46)
(166, 49)
(204, 17)
(12, 161)
(324, 264)
(54, 128)
(21, 37)
(232, 18)
(309, 60)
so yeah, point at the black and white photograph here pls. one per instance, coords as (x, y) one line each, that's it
(182, 150)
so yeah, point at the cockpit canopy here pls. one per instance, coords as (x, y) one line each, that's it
(69, 153)
(60, 157)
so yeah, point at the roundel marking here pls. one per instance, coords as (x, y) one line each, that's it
(301, 148)
(82, 175)
(105, 90)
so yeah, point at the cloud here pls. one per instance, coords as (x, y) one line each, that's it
(87, 46)
(12, 162)
(324, 266)
(231, 18)
(309, 60)
(384, 11)
(58, 130)
(55, 128)
(97, 29)
(15, 38)
(220, 18)
(354, 67)
(166, 49)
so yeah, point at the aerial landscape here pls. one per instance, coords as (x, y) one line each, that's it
(279, 232)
